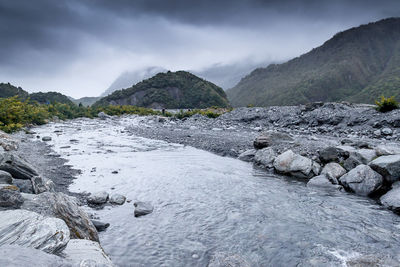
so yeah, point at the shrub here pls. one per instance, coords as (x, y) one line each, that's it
(386, 104)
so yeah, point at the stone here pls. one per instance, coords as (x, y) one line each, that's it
(377, 133)
(387, 131)
(5, 178)
(384, 150)
(248, 155)
(18, 256)
(100, 226)
(391, 199)
(294, 164)
(102, 115)
(85, 251)
(332, 154)
(270, 138)
(17, 167)
(25, 186)
(322, 181)
(142, 208)
(265, 157)
(66, 208)
(46, 138)
(98, 198)
(117, 199)
(333, 171)
(40, 185)
(29, 229)
(351, 163)
(362, 180)
(388, 167)
(7, 142)
(364, 155)
(10, 197)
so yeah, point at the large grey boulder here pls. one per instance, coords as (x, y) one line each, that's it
(362, 180)
(391, 199)
(25, 186)
(296, 165)
(5, 178)
(98, 198)
(142, 208)
(333, 171)
(16, 166)
(86, 251)
(41, 184)
(364, 155)
(18, 256)
(265, 157)
(117, 199)
(10, 197)
(270, 138)
(248, 155)
(388, 167)
(66, 208)
(29, 229)
(322, 181)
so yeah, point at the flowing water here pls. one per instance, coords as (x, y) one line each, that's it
(206, 205)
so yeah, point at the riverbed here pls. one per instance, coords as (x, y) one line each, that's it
(208, 207)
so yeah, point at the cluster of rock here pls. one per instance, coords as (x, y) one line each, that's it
(38, 224)
(366, 171)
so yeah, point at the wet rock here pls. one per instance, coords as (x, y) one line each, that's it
(18, 256)
(66, 208)
(5, 178)
(362, 180)
(294, 164)
(332, 154)
(226, 260)
(46, 138)
(86, 251)
(98, 198)
(388, 167)
(10, 197)
(100, 226)
(103, 116)
(143, 208)
(387, 131)
(391, 200)
(322, 181)
(29, 229)
(333, 170)
(265, 157)
(40, 185)
(270, 138)
(248, 155)
(25, 186)
(17, 167)
(117, 199)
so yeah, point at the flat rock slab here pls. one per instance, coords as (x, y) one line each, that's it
(362, 180)
(86, 251)
(29, 229)
(143, 208)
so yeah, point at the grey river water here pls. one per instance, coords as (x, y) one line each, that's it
(207, 206)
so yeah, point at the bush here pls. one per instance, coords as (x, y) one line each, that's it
(386, 104)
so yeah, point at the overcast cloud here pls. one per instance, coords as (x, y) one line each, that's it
(79, 47)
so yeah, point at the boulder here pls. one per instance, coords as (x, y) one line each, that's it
(98, 198)
(86, 251)
(294, 164)
(265, 157)
(332, 154)
(29, 229)
(322, 181)
(66, 208)
(40, 185)
(25, 186)
(364, 155)
(18, 256)
(10, 197)
(248, 155)
(333, 171)
(46, 138)
(143, 208)
(17, 167)
(388, 167)
(387, 131)
(5, 178)
(100, 226)
(270, 138)
(391, 200)
(117, 199)
(362, 180)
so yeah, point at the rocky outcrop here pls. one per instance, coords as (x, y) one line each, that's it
(362, 180)
(16, 166)
(391, 199)
(29, 229)
(64, 207)
(296, 165)
(388, 167)
(265, 157)
(87, 252)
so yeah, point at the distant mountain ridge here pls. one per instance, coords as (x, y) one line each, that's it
(179, 89)
(356, 65)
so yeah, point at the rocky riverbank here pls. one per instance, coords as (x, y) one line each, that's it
(338, 146)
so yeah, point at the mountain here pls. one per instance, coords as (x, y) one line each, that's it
(85, 101)
(50, 97)
(8, 90)
(129, 78)
(357, 65)
(179, 89)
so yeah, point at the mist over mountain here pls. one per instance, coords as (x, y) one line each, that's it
(356, 65)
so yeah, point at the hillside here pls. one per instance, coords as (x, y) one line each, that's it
(50, 97)
(8, 90)
(169, 90)
(356, 65)
(85, 101)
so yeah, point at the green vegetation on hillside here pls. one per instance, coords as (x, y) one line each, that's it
(8, 90)
(357, 65)
(85, 101)
(169, 90)
(50, 97)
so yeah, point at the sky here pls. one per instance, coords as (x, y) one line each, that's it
(80, 47)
